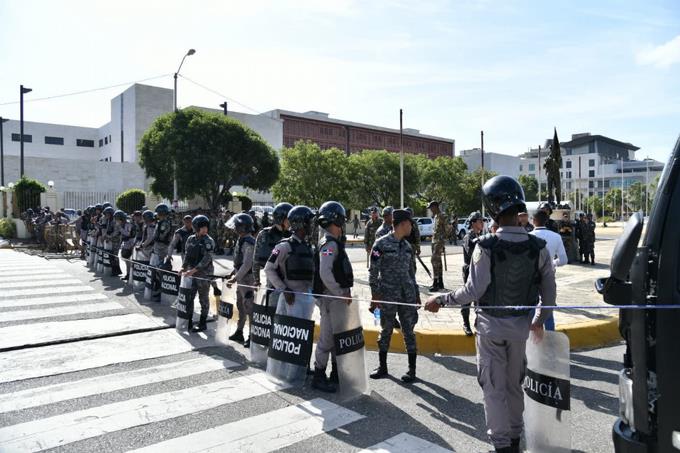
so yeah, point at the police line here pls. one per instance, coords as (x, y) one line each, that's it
(387, 302)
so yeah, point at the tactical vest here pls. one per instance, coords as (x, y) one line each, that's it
(238, 256)
(273, 236)
(162, 237)
(515, 275)
(194, 252)
(300, 261)
(342, 268)
(183, 236)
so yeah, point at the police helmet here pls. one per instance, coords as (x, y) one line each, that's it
(29, 211)
(241, 223)
(545, 206)
(300, 218)
(98, 207)
(332, 212)
(147, 215)
(200, 221)
(501, 193)
(137, 213)
(474, 216)
(106, 204)
(120, 215)
(108, 210)
(162, 209)
(410, 210)
(280, 213)
(387, 210)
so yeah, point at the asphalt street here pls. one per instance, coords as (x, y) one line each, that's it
(67, 387)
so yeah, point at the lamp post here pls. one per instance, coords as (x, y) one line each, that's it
(2, 152)
(22, 90)
(224, 106)
(401, 156)
(174, 179)
(481, 159)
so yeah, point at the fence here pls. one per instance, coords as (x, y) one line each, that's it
(81, 200)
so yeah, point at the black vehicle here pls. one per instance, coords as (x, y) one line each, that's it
(648, 273)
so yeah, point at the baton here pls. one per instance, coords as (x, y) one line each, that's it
(424, 266)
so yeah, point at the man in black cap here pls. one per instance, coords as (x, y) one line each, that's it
(547, 208)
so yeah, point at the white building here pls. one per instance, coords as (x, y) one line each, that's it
(502, 164)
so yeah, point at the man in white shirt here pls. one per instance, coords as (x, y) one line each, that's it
(555, 247)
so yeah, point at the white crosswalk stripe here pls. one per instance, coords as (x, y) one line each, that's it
(81, 309)
(8, 294)
(51, 300)
(265, 432)
(50, 394)
(40, 283)
(405, 443)
(18, 276)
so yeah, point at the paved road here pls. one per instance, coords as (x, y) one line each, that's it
(88, 367)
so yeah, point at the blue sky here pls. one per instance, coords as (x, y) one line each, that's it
(512, 68)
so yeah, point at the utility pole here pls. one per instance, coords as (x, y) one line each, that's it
(647, 186)
(22, 91)
(224, 106)
(401, 156)
(539, 174)
(602, 176)
(482, 166)
(622, 189)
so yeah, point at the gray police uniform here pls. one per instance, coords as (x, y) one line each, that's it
(179, 241)
(335, 279)
(266, 240)
(243, 265)
(509, 268)
(147, 239)
(199, 256)
(291, 266)
(392, 276)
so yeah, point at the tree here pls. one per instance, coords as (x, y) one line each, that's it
(375, 178)
(27, 193)
(311, 176)
(636, 195)
(594, 205)
(612, 202)
(443, 179)
(131, 200)
(208, 153)
(471, 190)
(530, 186)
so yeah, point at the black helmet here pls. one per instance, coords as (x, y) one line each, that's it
(120, 215)
(300, 218)
(501, 193)
(147, 215)
(162, 209)
(108, 210)
(409, 210)
(331, 212)
(29, 211)
(241, 223)
(474, 216)
(387, 210)
(545, 206)
(200, 221)
(98, 207)
(280, 213)
(106, 204)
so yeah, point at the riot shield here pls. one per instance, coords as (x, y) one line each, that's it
(150, 279)
(99, 270)
(292, 338)
(547, 419)
(185, 304)
(92, 252)
(169, 284)
(106, 258)
(138, 272)
(349, 349)
(260, 327)
(225, 314)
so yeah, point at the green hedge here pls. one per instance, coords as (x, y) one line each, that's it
(8, 229)
(27, 193)
(131, 200)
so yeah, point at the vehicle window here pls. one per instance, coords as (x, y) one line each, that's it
(427, 221)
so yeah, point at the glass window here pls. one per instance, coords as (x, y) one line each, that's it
(591, 162)
(54, 140)
(521, 167)
(568, 164)
(591, 173)
(106, 140)
(27, 138)
(84, 142)
(568, 175)
(101, 142)
(591, 184)
(532, 167)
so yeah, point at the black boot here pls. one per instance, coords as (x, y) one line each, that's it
(320, 382)
(217, 291)
(334, 374)
(202, 325)
(435, 285)
(410, 376)
(237, 336)
(381, 371)
(441, 282)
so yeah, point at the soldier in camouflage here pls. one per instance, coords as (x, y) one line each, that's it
(392, 278)
(369, 232)
(438, 245)
(386, 226)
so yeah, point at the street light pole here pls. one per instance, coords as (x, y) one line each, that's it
(224, 106)
(539, 174)
(174, 169)
(482, 165)
(22, 91)
(2, 152)
(401, 156)
(647, 187)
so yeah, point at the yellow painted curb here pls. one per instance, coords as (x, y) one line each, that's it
(588, 334)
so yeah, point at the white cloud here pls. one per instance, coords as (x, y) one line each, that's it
(661, 56)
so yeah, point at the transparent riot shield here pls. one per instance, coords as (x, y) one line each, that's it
(225, 314)
(349, 349)
(260, 327)
(547, 419)
(150, 280)
(139, 265)
(92, 252)
(292, 338)
(106, 258)
(185, 304)
(99, 270)
(169, 283)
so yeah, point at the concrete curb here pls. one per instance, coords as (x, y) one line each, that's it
(588, 334)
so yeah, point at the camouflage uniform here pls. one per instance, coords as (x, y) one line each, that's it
(199, 256)
(392, 278)
(243, 267)
(414, 240)
(369, 234)
(587, 242)
(438, 245)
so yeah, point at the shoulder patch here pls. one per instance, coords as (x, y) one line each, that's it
(326, 251)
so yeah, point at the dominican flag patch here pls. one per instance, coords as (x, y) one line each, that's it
(326, 252)
(376, 253)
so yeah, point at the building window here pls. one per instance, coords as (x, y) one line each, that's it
(591, 173)
(568, 175)
(27, 138)
(568, 164)
(606, 183)
(532, 167)
(109, 139)
(106, 140)
(101, 142)
(54, 140)
(521, 167)
(591, 184)
(591, 162)
(532, 175)
(85, 143)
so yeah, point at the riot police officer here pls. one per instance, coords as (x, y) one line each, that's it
(128, 233)
(243, 273)
(161, 241)
(268, 237)
(145, 243)
(334, 277)
(476, 222)
(179, 239)
(509, 268)
(198, 263)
